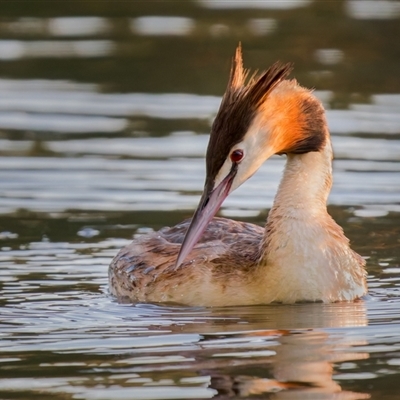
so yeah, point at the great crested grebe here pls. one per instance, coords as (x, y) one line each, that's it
(300, 255)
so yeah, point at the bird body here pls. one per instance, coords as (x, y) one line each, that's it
(300, 255)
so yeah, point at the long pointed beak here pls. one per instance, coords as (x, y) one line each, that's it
(210, 203)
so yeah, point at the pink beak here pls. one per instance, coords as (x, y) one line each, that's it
(210, 203)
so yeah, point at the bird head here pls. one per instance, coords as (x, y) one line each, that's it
(258, 117)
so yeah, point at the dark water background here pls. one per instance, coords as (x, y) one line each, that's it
(105, 108)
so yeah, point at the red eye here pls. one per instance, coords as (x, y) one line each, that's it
(236, 156)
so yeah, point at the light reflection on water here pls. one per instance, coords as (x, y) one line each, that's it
(246, 4)
(61, 26)
(362, 9)
(15, 49)
(365, 173)
(158, 25)
(48, 102)
(94, 151)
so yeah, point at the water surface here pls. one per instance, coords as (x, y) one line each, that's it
(105, 110)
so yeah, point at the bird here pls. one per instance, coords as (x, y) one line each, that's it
(300, 255)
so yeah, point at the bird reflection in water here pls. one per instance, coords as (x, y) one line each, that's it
(300, 364)
(302, 368)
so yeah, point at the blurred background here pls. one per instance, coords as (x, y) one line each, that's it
(105, 110)
(106, 106)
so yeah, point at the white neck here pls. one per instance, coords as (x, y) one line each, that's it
(301, 197)
(306, 183)
(304, 253)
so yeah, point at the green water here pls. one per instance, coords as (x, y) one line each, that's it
(104, 115)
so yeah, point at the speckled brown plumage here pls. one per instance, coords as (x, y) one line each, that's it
(144, 268)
